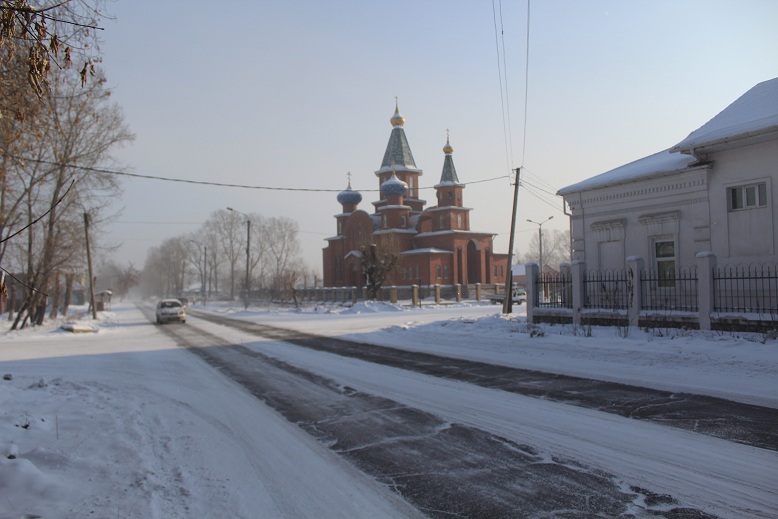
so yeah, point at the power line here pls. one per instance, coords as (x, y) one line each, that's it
(218, 184)
(526, 89)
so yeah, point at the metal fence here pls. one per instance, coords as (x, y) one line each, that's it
(746, 288)
(669, 290)
(553, 289)
(610, 289)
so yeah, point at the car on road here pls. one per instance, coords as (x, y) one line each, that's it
(519, 296)
(170, 310)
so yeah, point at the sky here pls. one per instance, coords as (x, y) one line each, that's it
(298, 93)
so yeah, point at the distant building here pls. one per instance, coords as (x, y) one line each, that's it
(435, 245)
(713, 191)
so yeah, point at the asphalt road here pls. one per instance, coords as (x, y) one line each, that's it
(451, 470)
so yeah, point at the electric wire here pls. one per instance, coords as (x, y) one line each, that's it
(502, 97)
(507, 90)
(219, 184)
(526, 89)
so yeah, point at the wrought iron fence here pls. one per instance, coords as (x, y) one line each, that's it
(554, 290)
(609, 289)
(746, 288)
(671, 290)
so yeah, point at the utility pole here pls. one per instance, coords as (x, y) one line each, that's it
(507, 303)
(248, 254)
(89, 265)
(248, 257)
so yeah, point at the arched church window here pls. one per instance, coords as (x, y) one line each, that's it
(459, 221)
(440, 271)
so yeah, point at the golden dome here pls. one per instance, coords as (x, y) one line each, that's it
(448, 149)
(397, 119)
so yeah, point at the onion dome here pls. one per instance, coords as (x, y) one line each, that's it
(394, 187)
(349, 197)
(448, 149)
(397, 119)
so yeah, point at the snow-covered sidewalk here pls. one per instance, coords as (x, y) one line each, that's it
(742, 367)
(122, 423)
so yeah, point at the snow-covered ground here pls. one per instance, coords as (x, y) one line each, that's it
(122, 423)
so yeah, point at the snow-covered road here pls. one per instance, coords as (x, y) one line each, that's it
(123, 423)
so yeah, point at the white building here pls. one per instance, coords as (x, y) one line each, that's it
(713, 191)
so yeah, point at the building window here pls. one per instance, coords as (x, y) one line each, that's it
(445, 271)
(385, 222)
(439, 271)
(340, 227)
(495, 271)
(403, 221)
(442, 221)
(502, 272)
(459, 221)
(664, 254)
(747, 197)
(410, 187)
(450, 196)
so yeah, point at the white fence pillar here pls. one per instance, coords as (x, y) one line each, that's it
(578, 275)
(706, 262)
(532, 271)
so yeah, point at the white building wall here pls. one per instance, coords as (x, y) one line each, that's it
(748, 235)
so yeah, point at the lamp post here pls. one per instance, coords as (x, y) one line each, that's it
(248, 253)
(540, 239)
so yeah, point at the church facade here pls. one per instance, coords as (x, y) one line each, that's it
(433, 245)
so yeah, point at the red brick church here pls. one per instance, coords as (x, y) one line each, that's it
(435, 245)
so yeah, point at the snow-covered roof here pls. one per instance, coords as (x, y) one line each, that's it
(658, 164)
(752, 114)
(430, 250)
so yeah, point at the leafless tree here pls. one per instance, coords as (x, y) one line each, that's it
(556, 248)
(227, 229)
(379, 258)
(75, 132)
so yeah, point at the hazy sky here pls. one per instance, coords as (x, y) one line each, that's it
(294, 93)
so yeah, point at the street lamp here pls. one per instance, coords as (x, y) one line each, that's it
(248, 252)
(540, 239)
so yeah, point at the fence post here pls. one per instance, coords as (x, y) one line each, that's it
(532, 271)
(478, 292)
(634, 268)
(577, 272)
(393, 295)
(706, 262)
(437, 294)
(415, 295)
(458, 290)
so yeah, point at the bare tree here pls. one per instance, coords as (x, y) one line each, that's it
(75, 131)
(227, 229)
(379, 259)
(283, 248)
(556, 248)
